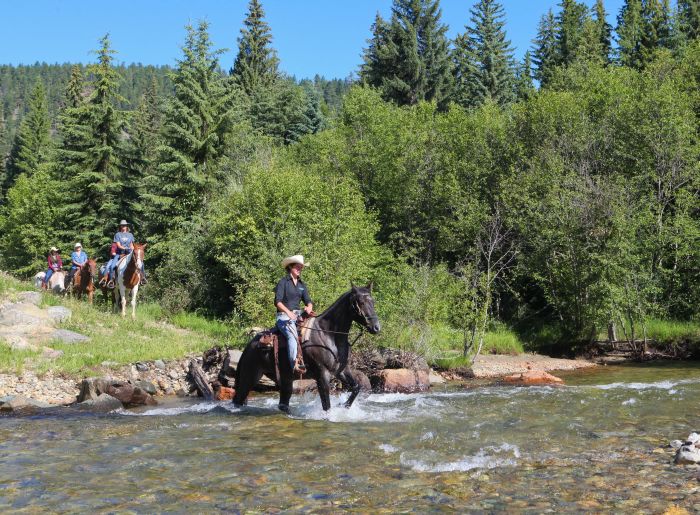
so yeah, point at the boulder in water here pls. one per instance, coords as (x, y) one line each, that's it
(126, 393)
(400, 380)
(102, 402)
(227, 373)
(303, 385)
(687, 455)
(533, 378)
(224, 393)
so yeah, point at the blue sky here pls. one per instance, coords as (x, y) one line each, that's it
(311, 36)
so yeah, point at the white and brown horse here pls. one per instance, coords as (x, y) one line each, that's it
(129, 277)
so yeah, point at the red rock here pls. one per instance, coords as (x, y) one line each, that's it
(401, 380)
(225, 393)
(533, 378)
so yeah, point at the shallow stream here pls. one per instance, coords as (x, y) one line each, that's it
(593, 445)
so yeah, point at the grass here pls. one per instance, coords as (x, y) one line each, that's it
(116, 340)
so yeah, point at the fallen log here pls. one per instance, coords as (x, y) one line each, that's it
(200, 381)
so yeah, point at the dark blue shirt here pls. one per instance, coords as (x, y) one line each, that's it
(290, 294)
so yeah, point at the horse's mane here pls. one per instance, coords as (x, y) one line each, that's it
(339, 300)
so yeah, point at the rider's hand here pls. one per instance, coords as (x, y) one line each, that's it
(293, 316)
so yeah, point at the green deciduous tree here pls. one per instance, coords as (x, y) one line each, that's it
(256, 63)
(484, 58)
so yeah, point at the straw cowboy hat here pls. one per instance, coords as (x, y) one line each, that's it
(53, 249)
(292, 260)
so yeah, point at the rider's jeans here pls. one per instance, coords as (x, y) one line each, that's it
(289, 327)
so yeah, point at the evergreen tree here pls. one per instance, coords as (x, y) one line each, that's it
(546, 51)
(484, 58)
(689, 18)
(196, 125)
(90, 160)
(603, 30)
(33, 141)
(75, 87)
(630, 29)
(524, 85)
(256, 62)
(3, 157)
(371, 70)
(570, 28)
(414, 63)
(657, 28)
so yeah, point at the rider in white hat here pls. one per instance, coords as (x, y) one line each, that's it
(77, 259)
(289, 292)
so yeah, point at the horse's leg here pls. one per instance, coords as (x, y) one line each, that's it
(122, 298)
(349, 382)
(286, 387)
(248, 373)
(134, 292)
(323, 382)
(90, 295)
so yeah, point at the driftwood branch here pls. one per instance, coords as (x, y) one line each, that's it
(200, 380)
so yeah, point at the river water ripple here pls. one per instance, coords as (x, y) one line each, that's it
(593, 445)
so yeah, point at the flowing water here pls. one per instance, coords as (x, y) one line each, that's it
(594, 445)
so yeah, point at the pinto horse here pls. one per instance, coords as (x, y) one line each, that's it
(326, 352)
(84, 280)
(129, 277)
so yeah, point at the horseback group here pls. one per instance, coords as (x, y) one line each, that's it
(125, 269)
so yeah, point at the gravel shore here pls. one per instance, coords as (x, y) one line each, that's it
(492, 365)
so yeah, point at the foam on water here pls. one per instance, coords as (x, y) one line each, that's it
(200, 407)
(486, 458)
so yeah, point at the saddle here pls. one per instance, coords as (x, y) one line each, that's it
(270, 338)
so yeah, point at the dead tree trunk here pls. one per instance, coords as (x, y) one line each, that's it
(200, 381)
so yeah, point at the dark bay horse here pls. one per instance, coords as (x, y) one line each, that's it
(326, 353)
(84, 280)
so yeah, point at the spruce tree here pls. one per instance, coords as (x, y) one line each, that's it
(196, 124)
(490, 75)
(75, 88)
(256, 63)
(603, 30)
(414, 63)
(372, 70)
(90, 160)
(545, 54)
(3, 156)
(32, 144)
(657, 29)
(570, 30)
(689, 18)
(630, 29)
(524, 85)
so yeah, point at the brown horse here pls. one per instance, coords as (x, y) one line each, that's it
(129, 277)
(84, 280)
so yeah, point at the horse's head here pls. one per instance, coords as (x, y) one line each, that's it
(92, 266)
(363, 307)
(139, 253)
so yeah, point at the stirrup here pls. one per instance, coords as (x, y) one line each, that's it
(300, 368)
(110, 284)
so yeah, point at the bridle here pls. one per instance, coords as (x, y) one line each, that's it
(359, 313)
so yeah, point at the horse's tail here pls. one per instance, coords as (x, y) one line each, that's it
(247, 372)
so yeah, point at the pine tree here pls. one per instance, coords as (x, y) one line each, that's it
(570, 27)
(90, 160)
(256, 63)
(524, 85)
(414, 63)
(546, 50)
(603, 30)
(3, 156)
(591, 49)
(371, 70)
(630, 28)
(656, 31)
(689, 18)
(196, 124)
(32, 144)
(490, 74)
(75, 88)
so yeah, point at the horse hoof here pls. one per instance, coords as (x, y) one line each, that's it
(284, 408)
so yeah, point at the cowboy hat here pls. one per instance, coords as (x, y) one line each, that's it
(53, 249)
(291, 260)
(123, 222)
(78, 245)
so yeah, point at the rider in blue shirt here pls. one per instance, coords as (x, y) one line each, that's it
(125, 244)
(77, 259)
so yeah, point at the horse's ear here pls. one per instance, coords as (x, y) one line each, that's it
(352, 285)
(370, 285)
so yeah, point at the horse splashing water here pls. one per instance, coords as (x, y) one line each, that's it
(129, 278)
(326, 351)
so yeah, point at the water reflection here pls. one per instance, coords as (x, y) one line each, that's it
(592, 445)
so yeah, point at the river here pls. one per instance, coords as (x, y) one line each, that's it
(593, 445)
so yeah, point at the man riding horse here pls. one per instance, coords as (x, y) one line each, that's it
(289, 292)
